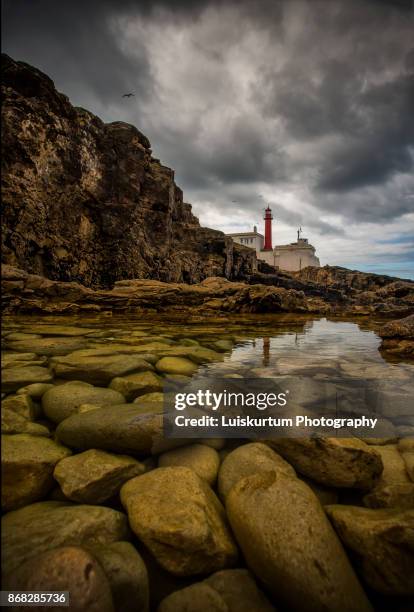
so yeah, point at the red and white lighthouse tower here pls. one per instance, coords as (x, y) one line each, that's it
(268, 229)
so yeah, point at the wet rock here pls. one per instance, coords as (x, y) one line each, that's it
(63, 400)
(128, 428)
(65, 569)
(14, 423)
(23, 405)
(9, 359)
(127, 575)
(134, 385)
(95, 476)
(239, 590)
(406, 448)
(39, 527)
(199, 597)
(98, 369)
(156, 396)
(205, 461)
(48, 346)
(398, 337)
(176, 365)
(35, 391)
(27, 464)
(382, 541)
(394, 488)
(15, 377)
(61, 330)
(332, 461)
(246, 460)
(290, 546)
(180, 520)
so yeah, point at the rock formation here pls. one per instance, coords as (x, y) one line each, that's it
(86, 201)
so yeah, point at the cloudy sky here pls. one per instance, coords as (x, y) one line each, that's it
(304, 104)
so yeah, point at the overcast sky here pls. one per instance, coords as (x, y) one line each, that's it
(304, 104)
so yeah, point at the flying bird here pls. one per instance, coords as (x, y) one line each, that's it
(128, 95)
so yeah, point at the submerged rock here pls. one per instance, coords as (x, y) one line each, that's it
(406, 448)
(95, 476)
(27, 464)
(14, 423)
(333, 462)
(39, 527)
(98, 369)
(290, 546)
(137, 384)
(394, 489)
(127, 575)
(180, 520)
(205, 461)
(249, 459)
(63, 400)
(22, 405)
(383, 542)
(70, 569)
(127, 428)
(15, 377)
(35, 391)
(176, 365)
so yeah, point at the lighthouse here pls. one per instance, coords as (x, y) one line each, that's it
(268, 230)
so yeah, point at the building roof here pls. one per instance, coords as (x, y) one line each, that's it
(245, 234)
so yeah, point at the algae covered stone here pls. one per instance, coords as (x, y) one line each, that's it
(290, 546)
(205, 461)
(94, 475)
(63, 400)
(382, 540)
(180, 520)
(42, 526)
(27, 464)
(70, 569)
(176, 365)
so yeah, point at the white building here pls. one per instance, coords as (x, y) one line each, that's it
(290, 257)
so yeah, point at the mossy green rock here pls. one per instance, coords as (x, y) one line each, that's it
(94, 475)
(127, 428)
(383, 542)
(137, 384)
(180, 520)
(176, 365)
(63, 400)
(45, 525)
(290, 546)
(15, 377)
(27, 464)
(127, 575)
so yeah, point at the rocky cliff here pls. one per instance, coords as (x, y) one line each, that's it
(86, 201)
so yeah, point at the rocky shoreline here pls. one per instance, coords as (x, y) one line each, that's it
(99, 503)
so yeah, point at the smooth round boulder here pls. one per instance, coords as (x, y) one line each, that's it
(45, 525)
(290, 546)
(198, 597)
(180, 520)
(204, 460)
(15, 377)
(176, 365)
(246, 460)
(14, 423)
(27, 464)
(63, 400)
(134, 385)
(65, 569)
